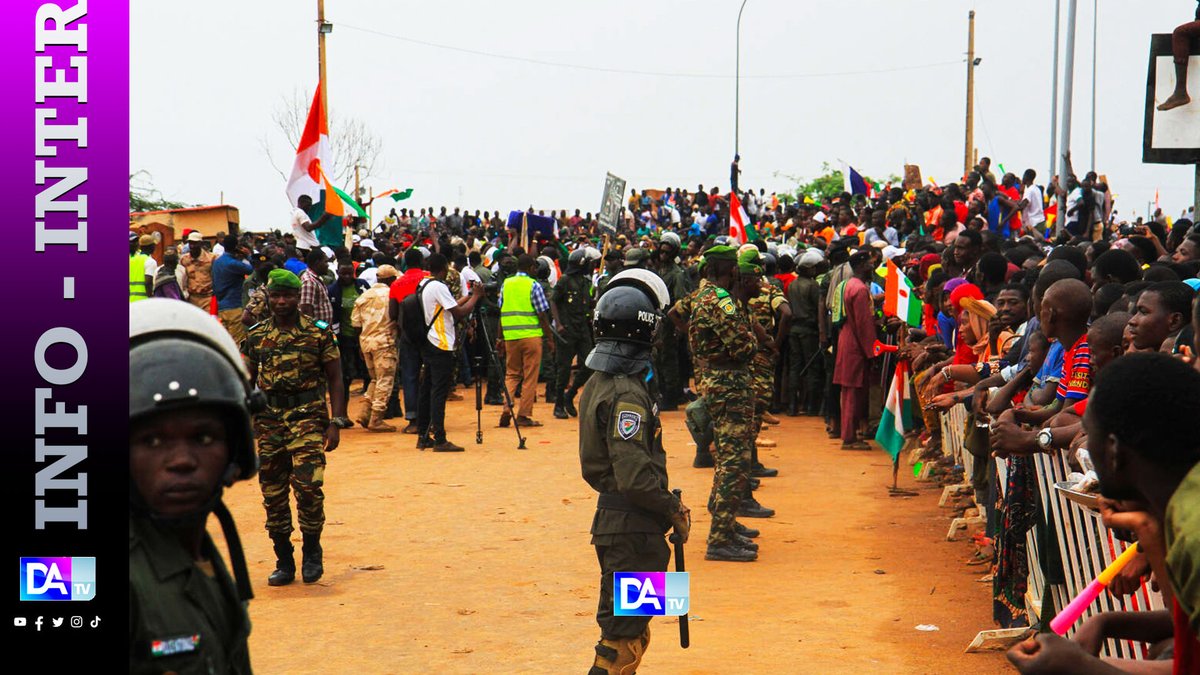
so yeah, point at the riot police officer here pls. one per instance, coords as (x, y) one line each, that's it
(622, 458)
(574, 298)
(190, 435)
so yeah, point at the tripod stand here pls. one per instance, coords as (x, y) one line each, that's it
(483, 347)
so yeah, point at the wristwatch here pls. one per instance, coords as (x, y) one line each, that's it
(1045, 439)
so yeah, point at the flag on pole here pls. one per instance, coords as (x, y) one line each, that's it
(897, 417)
(853, 182)
(740, 228)
(898, 297)
(312, 152)
(336, 207)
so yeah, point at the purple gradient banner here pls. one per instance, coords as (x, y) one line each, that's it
(66, 133)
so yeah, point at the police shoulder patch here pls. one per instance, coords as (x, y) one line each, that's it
(628, 420)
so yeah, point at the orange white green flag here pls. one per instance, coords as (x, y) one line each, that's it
(897, 417)
(898, 297)
(313, 157)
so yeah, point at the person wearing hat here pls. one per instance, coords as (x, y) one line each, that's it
(636, 257)
(723, 342)
(255, 307)
(197, 262)
(190, 437)
(806, 367)
(668, 353)
(294, 360)
(612, 265)
(768, 308)
(621, 457)
(142, 267)
(377, 340)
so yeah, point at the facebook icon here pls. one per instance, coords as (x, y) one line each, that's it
(58, 579)
(650, 593)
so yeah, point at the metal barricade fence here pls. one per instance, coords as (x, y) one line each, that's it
(1085, 545)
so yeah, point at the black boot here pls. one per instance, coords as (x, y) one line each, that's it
(744, 531)
(285, 563)
(750, 508)
(311, 567)
(704, 458)
(560, 413)
(569, 403)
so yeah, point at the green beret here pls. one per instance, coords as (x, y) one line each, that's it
(279, 278)
(749, 262)
(721, 253)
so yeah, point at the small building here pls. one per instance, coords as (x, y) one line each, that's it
(168, 226)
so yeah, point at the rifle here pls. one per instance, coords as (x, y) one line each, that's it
(684, 637)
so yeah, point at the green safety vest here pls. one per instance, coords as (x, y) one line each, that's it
(518, 319)
(137, 277)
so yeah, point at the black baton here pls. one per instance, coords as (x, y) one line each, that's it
(684, 638)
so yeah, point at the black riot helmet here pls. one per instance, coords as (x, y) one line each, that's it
(180, 357)
(577, 262)
(625, 321)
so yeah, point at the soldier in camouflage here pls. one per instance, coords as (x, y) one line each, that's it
(766, 303)
(294, 360)
(724, 341)
(573, 297)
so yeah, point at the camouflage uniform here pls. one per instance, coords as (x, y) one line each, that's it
(378, 343)
(256, 304)
(668, 352)
(683, 306)
(291, 431)
(723, 341)
(573, 296)
(763, 308)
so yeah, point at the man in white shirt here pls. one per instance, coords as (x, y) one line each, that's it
(303, 227)
(1032, 214)
(440, 310)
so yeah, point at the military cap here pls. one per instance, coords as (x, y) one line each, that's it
(146, 240)
(721, 253)
(636, 256)
(280, 278)
(386, 272)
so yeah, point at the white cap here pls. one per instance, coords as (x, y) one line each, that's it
(811, 258)
(890, 252)
(367, 243)
(820, 217)
(328, 252)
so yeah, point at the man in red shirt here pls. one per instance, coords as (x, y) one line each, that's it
(410, 353)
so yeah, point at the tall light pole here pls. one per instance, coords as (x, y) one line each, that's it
(969, 151)
(1068, 87)
(1095, 23)
(737, 79)
(1054, 93)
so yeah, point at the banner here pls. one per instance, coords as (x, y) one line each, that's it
(612, 203)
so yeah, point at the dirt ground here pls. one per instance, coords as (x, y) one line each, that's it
(479, 562)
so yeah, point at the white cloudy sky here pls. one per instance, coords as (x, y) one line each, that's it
(874, 82)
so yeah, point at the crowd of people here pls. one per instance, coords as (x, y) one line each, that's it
(1028, 314)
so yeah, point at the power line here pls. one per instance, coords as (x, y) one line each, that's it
(644, 73)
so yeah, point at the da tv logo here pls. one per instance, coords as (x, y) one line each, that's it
(71, 579)
(650, 593)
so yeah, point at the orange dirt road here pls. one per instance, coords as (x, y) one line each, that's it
(479, 562)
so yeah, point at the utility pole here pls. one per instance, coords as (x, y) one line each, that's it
(323, 28)
(1054, 93)
(1068, 89)
(969, 151)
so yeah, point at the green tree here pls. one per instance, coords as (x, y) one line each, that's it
(830, 183)
(143, 196)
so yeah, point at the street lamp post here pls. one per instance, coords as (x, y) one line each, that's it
(737, 79)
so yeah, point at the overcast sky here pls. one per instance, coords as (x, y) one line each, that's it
(874, 82)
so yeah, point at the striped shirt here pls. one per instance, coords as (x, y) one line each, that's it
(1076, 372)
